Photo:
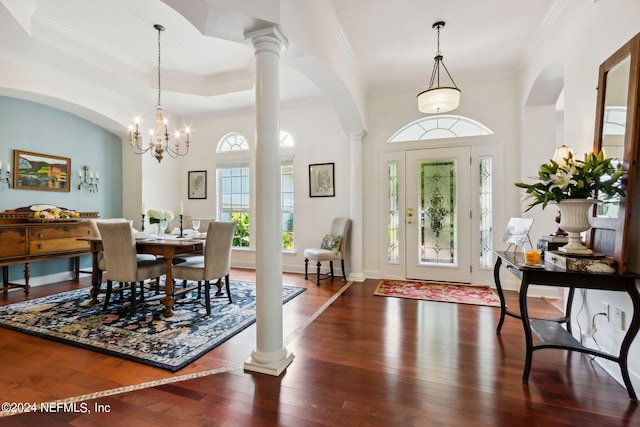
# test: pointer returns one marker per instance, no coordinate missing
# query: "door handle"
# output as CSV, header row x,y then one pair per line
x,y
410,216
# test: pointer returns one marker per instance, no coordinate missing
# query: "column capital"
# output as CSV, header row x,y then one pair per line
x,y
356,135
274,32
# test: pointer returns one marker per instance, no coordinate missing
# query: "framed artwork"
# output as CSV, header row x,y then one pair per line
x,y
197,184
321,180
517,232
44,172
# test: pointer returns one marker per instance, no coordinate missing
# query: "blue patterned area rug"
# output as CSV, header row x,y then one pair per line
x,y
147,336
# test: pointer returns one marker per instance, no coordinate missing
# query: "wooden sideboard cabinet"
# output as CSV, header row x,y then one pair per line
x,y
23,242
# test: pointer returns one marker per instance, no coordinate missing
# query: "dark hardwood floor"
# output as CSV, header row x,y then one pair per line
x,y
364,361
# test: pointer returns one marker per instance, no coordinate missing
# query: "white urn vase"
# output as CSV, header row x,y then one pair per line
x,y
574,219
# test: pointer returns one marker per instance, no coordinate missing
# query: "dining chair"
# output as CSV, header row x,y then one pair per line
x,y
102,264
122,263
214,265
332,248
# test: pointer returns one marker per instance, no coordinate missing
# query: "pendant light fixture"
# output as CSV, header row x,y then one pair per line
x,y
439,99
157,149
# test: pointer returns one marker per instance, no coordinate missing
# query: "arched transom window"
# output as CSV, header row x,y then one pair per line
x,y
438,127
233,142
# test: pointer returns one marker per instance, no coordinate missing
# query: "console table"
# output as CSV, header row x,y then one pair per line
x,y
550,331
24,242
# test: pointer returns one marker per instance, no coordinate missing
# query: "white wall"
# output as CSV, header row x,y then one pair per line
x,y
318,138
579,41
493,103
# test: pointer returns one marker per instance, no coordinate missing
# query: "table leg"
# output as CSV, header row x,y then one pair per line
x,y
167,301
76,265
503,304
27,276
634,326
5,279
524,315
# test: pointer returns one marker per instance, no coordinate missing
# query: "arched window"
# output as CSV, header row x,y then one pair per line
x,y
441,126
234,186
285,139
233,142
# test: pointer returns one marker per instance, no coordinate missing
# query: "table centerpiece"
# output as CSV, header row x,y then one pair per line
x,y
161,218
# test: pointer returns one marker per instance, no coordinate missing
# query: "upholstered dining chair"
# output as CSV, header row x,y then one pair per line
x,y
332,248
122,263
102,264
214,265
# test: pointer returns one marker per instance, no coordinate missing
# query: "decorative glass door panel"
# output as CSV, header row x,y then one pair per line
x,y
437,219
438,242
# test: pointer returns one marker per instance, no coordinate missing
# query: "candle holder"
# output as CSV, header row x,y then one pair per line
x,y
142,222
91,184
7,178
181,216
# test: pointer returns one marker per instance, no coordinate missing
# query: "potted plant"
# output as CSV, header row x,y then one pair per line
x,y
575,186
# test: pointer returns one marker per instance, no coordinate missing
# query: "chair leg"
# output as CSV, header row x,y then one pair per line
x,y
331,268
306,268
132,306
207,296
344,276
108,295
226,281
318,275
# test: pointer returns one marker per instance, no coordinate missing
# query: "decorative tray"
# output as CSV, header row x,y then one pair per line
x,y
54,219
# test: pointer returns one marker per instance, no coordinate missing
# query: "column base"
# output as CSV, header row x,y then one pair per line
x,y
274,368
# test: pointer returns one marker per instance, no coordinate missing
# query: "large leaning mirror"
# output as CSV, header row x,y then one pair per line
x,y
616,134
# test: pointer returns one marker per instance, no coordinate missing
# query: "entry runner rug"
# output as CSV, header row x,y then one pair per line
x,y
443,292
147,336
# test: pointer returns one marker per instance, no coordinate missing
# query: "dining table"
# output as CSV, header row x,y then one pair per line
x,y
165,247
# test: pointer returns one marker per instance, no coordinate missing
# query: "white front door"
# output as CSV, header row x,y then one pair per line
x,y
437,214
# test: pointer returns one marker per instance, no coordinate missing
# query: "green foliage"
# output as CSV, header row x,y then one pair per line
x,y
575,180
241,238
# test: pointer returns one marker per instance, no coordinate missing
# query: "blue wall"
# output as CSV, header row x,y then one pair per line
x,y
29,126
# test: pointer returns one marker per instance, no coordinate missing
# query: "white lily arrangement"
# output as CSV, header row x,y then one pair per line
x,y
575,180
157,215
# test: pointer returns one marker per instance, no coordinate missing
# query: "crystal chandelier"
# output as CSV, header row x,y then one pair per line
x,y
158,148
439,99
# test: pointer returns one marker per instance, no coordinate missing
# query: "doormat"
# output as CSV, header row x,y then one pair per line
x,y
443,292
147,336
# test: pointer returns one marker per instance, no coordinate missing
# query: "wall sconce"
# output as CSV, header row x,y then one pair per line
x,y
7,176
90,183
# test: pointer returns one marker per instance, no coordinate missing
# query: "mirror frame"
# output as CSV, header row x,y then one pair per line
x,y
610,236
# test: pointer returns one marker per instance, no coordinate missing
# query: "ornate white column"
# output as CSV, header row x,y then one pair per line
x,y
355,208
269,356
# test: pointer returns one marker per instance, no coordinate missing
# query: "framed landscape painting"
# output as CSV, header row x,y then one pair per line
x,y
197,184
45,172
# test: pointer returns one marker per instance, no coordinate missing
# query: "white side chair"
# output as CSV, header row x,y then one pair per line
x,y
332,248
214,265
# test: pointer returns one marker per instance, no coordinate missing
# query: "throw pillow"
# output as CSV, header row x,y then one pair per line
x,y
331,243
